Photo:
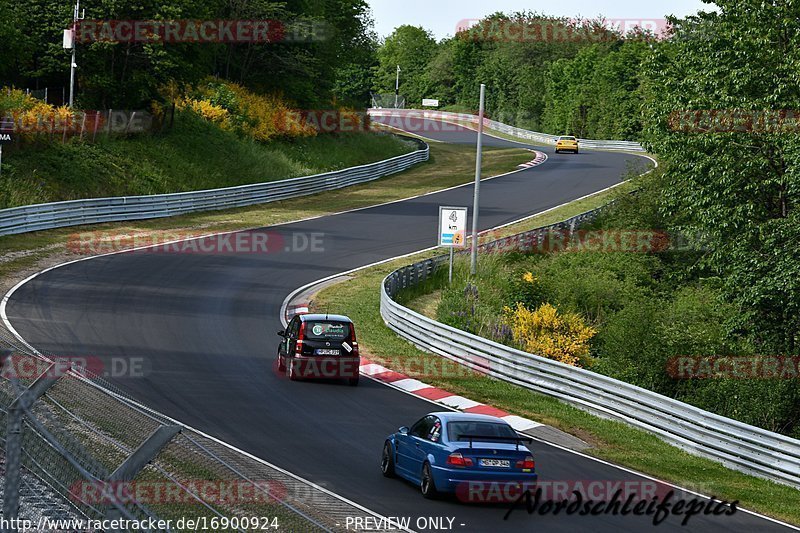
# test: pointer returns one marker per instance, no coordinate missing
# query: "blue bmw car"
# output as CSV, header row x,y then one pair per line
x,y
452,452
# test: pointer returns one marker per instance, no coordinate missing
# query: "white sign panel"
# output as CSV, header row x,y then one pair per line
x,y
453,227
430,102
68,39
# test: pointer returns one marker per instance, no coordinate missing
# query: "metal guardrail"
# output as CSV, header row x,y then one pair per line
x,y
543,138
735,444
95,210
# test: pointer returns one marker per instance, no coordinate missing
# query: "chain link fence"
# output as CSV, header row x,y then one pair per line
x,y
390,101
49,95
76,447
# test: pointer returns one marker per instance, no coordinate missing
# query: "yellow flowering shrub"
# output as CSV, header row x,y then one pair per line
x,y
562,337
267,116
207,110
263,117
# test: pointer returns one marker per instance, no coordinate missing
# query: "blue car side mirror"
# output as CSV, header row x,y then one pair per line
x,y
403,430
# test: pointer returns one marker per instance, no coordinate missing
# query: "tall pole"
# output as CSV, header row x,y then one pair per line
x,y
72,63
477,196
397,87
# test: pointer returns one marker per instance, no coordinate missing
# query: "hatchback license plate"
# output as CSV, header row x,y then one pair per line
x,y
324,351
502,463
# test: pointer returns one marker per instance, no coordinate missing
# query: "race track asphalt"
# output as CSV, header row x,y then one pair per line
x,y
206,325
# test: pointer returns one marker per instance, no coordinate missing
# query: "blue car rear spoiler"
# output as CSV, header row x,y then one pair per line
x,y
515,440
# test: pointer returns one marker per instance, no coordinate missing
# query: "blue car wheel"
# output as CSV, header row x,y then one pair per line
x,y
427,485
387,461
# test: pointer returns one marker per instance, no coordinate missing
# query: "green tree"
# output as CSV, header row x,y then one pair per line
x,y
412,48
738,189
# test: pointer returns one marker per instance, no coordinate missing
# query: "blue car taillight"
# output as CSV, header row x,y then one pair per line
x,y
527,463
456,459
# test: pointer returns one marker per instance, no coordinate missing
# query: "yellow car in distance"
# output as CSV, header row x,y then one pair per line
x,y
568,143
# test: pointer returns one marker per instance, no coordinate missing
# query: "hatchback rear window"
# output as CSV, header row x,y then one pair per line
x,y
566,138
335,331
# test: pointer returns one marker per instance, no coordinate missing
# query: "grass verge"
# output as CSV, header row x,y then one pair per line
x,y
449,165
193,155
359,298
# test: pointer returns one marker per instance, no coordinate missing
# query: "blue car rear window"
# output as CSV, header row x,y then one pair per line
x,y
487,430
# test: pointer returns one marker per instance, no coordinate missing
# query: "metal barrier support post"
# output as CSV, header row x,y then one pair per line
x,y
14,442
139,459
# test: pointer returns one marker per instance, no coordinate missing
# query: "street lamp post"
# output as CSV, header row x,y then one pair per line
x,y
76,16
397,87
476,197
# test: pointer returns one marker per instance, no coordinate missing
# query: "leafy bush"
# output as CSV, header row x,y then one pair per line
x,y
524,288
625,315
597,283
233,107
475,304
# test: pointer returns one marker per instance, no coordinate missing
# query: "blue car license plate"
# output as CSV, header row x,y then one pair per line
x,y
499,463
325,351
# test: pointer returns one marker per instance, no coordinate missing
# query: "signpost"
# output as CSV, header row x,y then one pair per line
x,y
430,102
452,230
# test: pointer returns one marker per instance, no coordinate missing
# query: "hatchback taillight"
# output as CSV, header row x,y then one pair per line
x,y
527,463
353,343
456,459
298,346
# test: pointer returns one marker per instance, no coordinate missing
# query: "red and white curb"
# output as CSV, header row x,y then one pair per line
x,y
425,391
298,309
440,396
540,158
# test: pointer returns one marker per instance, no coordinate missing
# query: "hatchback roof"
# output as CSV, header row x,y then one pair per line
x,y
321,316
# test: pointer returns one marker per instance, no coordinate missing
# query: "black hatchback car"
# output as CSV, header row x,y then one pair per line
x,y
317,346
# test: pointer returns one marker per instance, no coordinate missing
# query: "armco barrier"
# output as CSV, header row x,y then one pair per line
x,y
91,211
520,133
737,445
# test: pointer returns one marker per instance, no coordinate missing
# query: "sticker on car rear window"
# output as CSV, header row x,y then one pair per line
x,y
317,329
